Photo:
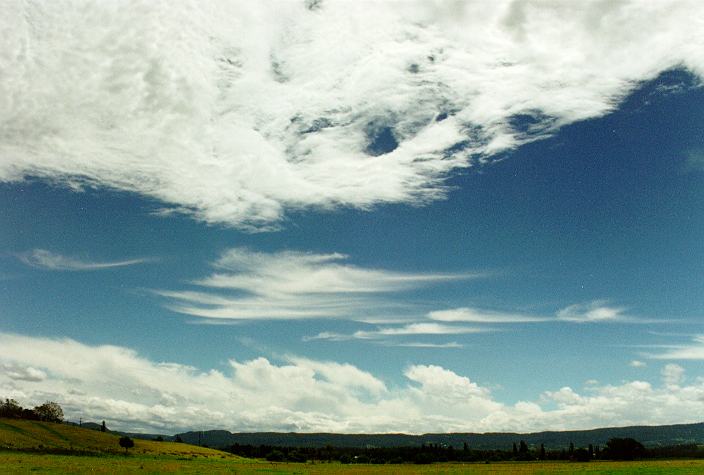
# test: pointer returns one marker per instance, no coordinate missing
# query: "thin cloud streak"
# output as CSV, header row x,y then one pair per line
x,y
43,259
692,351
400,331
249,285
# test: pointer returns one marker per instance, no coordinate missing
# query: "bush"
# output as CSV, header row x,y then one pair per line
x,y
126,443
275,456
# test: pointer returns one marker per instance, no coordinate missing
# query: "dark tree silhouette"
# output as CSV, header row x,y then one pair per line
x,y
10,408
50,412
624,449
126,443
102,427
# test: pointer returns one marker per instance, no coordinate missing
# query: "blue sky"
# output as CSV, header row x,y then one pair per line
x,y
525,252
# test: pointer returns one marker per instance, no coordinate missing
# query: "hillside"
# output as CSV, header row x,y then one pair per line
x,y
18,434
650,436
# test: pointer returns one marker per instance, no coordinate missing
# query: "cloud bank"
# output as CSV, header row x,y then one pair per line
x,y
234,112
133,393
44,259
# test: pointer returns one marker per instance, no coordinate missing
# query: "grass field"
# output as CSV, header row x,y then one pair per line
x,y
22,443
17,434
16,462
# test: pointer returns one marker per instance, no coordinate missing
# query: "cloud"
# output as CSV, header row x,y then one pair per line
x,y
44,259
637,364
692,351
672,374
597,311
234,112
473,315
292,285
422,344
388,335
21,373
117,384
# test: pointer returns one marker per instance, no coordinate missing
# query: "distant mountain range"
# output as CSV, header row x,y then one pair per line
x,y
650,436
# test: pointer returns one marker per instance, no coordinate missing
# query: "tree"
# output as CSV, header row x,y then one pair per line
x,y
624,449
275,456
50,412
178,439
542,452
126,443
522,447
102,427
10,408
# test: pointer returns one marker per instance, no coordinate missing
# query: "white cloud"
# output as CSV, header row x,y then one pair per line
x,y
691,351
22,373
134,393
473,315
637,364
593,312
388,335
672,374
234,112
291,285
44,259
422,344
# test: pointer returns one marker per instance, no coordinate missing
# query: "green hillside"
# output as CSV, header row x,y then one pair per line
x,y
18,434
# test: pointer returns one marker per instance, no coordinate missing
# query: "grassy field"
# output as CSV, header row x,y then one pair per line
x,y
16,434
22,443
15,462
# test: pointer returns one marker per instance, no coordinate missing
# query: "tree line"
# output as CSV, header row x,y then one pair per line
x,y
614,449
49,411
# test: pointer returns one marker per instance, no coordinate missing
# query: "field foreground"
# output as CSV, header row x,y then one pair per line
x,y
16,462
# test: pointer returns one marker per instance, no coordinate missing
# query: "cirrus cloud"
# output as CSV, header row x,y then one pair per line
x,y
234,112
43,259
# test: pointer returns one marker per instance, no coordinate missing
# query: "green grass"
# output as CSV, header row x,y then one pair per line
x,y
23,447
23,435
18,462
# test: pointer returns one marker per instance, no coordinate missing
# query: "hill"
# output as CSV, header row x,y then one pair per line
x,y
650,436
18,434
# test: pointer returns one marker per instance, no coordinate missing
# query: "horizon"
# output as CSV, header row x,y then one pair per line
x,y
442,217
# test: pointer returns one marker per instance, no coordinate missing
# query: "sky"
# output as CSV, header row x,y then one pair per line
x,y
299,216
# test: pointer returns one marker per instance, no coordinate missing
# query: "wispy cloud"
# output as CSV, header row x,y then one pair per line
x,y
474,315
447,322
294,285
637,364
44,259
690,351
234,112
300,394
398,331
598,311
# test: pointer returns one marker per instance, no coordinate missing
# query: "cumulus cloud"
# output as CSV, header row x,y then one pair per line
x,y
234,112
289,285
22,373
44,259
133,393
637,364
672,374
